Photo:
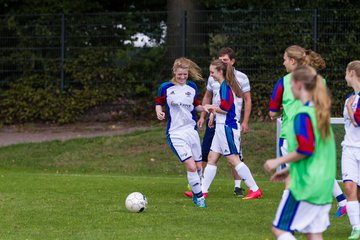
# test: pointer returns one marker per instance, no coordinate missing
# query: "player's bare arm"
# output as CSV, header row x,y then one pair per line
x,y
206,100
247,111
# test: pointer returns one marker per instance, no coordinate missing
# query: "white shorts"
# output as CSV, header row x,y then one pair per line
x,y
301,216
185,144
226,140
283,150
350,164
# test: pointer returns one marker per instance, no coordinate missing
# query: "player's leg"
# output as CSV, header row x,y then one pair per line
x,y
314,236
194,182
340,197
230,147
238,191
245,173
206,143
210,171
282,235
350,172
194,141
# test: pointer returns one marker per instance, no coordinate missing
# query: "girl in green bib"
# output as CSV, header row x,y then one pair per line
x,y
312,157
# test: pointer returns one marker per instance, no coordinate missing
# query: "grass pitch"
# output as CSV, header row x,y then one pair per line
x,y
76,189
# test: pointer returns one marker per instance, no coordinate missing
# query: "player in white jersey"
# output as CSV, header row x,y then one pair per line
x,y
226,141
179,95
227,56
351,148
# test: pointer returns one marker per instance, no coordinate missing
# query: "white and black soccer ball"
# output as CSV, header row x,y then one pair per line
x,y
136,202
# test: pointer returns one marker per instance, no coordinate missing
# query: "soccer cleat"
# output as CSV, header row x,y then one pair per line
x,y
355,234
200,202
238,192
341,211
190,194
253,195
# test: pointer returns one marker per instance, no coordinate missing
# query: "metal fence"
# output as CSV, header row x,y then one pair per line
x,y
31,44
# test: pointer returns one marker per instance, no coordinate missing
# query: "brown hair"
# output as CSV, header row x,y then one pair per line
x,y
185,63
314,84
302,56
229,75
355,66
314,60
227,51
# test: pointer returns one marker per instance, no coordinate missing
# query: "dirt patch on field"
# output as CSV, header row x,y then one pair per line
x,y
44,132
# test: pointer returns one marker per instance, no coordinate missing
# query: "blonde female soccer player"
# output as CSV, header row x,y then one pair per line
x,y
351,148
312,157
226,140
179,95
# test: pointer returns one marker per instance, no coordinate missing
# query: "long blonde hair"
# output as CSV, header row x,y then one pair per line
x,y
229,75
314,84
185,63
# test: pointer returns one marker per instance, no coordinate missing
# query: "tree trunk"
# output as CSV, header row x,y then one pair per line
x,y
182,32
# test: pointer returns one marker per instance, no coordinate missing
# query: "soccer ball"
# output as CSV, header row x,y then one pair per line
x,y
136,202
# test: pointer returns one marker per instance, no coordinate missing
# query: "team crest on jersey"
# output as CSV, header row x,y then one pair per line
x,y
188,94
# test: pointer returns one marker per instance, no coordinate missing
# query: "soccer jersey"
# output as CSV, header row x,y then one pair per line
x,y
227,102
214,86
312,178
180,104
352,133
282,96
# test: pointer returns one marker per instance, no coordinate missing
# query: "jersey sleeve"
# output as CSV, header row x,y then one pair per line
x,y
357,113
161,95
209,83
276,96
304,134
226,98
245,86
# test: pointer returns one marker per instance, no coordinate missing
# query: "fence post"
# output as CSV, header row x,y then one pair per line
x,y
183,33
62,50
315,29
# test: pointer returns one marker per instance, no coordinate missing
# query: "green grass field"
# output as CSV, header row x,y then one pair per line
x,y
76,189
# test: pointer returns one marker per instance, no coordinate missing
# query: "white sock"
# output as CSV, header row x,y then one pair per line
x,y
194,181
237,183
245,174
286,236
352,209
338,194
209,175
200,173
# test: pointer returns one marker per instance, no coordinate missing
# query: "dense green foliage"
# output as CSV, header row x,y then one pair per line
x,y
66,59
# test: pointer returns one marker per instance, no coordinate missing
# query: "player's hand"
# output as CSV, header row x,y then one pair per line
x,y
160,115
200,122
211,123
244,128
280,176
271,164
210,108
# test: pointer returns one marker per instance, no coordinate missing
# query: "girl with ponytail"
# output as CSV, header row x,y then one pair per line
x,y
312,154
226,140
